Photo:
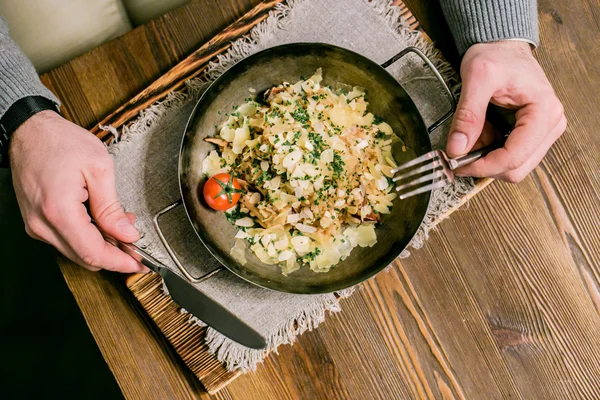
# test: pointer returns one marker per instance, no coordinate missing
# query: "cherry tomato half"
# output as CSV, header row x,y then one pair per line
x,y
222,191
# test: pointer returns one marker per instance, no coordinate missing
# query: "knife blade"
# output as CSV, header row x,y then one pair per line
x,y
194,301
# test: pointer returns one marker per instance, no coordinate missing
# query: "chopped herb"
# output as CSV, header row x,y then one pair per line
x,y
338,164
264,176
311,256
318,143
235,214
276,113
300,115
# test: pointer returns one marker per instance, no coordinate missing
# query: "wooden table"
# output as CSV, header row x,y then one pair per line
x,y
502,302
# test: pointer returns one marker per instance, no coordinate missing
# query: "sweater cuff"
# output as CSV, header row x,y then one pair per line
x,y
18,78
480,21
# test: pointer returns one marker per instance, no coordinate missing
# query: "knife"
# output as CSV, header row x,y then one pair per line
x,y
194,301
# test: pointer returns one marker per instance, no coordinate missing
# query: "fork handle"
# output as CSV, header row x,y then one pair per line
x,y
473,156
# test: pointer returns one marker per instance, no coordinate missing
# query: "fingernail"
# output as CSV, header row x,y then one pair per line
x,y
144,269
457,142
125,227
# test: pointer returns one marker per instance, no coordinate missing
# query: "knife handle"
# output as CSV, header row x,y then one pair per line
x,y
137,254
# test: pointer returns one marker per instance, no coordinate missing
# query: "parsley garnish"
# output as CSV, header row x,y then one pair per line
x,y
337,164
235,214
300,115
311,256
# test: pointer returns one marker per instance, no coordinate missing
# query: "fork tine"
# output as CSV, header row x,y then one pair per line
x,y
430,177
426,188
427,156
427,167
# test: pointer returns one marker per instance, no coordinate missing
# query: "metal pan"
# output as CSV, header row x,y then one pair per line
x,y
270,67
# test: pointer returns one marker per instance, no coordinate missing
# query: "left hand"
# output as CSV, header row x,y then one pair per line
x,y
506,74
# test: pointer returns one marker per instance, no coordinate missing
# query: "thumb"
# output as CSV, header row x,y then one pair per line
x,y
469,117
106,209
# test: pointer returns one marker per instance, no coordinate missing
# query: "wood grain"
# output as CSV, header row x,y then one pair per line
x,y
146,367
502,302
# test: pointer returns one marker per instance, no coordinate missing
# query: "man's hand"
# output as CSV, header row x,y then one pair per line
x,y
506,74
56,167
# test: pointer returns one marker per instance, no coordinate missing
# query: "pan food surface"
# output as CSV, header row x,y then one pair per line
x,y
269,68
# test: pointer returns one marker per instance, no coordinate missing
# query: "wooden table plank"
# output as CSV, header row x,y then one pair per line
x,y
502,301
194,65
144,364
125,66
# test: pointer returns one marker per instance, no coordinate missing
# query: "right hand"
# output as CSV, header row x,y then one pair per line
x,y
506,74
57,166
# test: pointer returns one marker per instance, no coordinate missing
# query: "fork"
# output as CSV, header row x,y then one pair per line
x,y
433,170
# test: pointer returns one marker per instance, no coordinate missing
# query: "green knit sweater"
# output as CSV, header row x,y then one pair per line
x,y
471,21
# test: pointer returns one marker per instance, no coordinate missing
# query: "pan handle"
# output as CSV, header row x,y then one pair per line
x,y
438,76
165,243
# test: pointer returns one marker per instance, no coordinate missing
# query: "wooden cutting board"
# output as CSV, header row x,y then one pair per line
x,y
186,339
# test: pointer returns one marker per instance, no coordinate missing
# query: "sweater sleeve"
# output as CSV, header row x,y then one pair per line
x,y
479,21
18,78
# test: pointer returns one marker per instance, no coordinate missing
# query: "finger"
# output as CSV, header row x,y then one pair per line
x,y
84,244
48,235
519,174
529,133
104,204
469,118
487,137
131,217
